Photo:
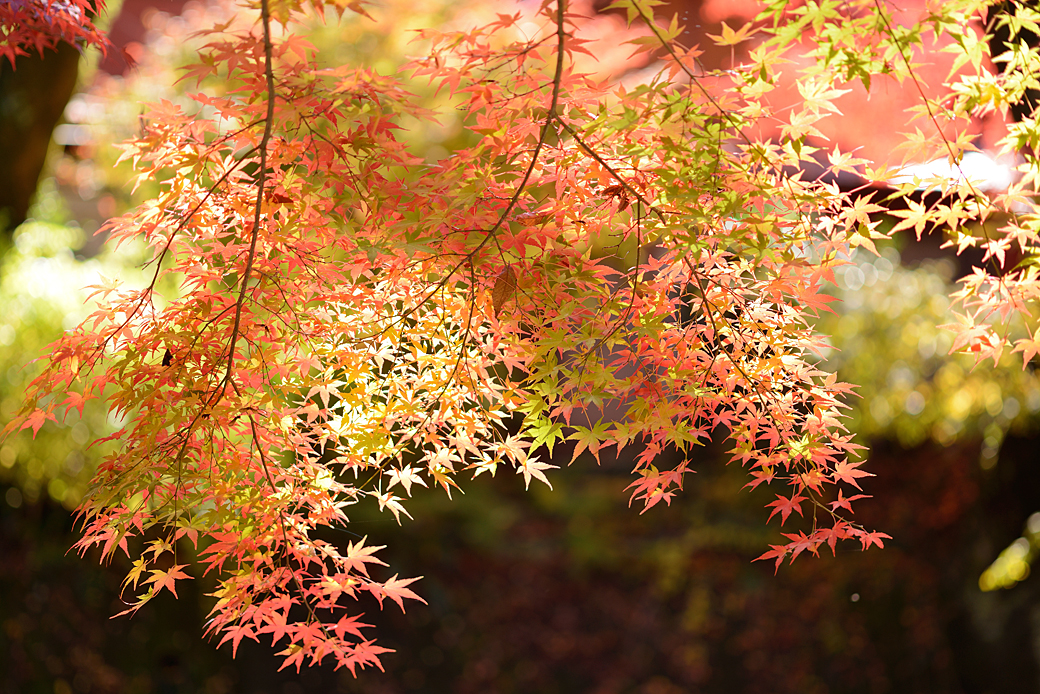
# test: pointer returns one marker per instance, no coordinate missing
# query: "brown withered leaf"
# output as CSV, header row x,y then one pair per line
x,y
621,193
167,358
277,197
505,287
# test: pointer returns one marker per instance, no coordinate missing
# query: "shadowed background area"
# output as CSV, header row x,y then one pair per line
x,y
566,591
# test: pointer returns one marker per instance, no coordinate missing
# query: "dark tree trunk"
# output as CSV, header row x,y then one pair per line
x,y
32,99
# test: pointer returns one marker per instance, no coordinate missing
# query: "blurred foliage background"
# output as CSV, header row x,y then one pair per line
x,y
564,590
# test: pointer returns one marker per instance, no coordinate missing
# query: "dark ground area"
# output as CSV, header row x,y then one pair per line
x,y
570,591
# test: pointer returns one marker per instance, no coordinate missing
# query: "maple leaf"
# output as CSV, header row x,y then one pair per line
x,y
505,287
36,419
235,634
730,37
74,400
166,579
363,653
532,467
334,586
784,506
514,448
546,432
395,589
1029,347
358,555
846,502
654,497
801,542
652,487
135,573
777,552
406,477
294,655
350,624
915,217
872,538
846,471
276,623
588,439
839,531
388,500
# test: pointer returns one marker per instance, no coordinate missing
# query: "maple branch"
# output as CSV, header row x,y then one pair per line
x,y
268,125
976,195
551,115
265,18
147,292
157,259
281,526
447,382
784,175
602,162
956,160
757,389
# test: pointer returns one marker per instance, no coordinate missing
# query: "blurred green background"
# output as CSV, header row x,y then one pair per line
x,y
550,591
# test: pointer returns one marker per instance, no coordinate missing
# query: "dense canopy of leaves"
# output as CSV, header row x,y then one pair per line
x,y
628,262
